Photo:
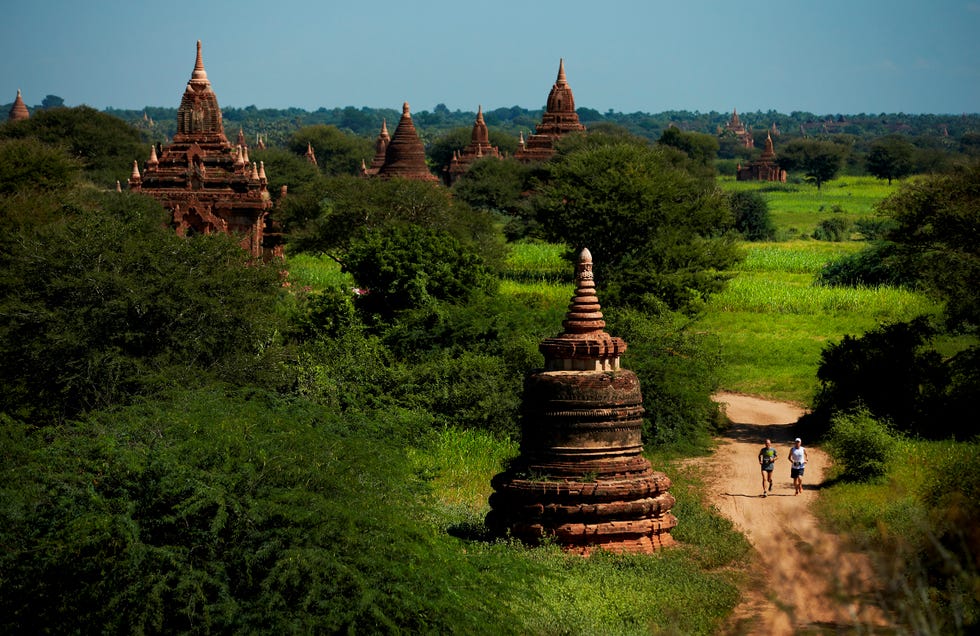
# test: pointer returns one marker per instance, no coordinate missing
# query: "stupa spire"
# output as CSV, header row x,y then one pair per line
x,y
18,110
199,73
561,72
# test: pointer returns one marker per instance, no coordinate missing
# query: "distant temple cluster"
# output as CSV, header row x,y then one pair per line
x,y
765,167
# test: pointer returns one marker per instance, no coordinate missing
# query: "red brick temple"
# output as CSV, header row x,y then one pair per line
x,y
380,147
404,154
581,477
18,110
559,119
478,148
736,127
764,168
207,184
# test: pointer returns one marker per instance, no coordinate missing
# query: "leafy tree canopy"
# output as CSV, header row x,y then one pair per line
x,y
337,152
657,232
819,160
105,145
890,158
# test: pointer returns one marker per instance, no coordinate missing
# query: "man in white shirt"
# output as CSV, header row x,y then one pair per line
x,y
797,457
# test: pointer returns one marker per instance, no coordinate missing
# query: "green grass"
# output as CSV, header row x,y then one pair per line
x,y
773,322
316,272
535,261
797,208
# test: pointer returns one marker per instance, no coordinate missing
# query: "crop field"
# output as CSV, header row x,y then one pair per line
x,y
772,321
797,208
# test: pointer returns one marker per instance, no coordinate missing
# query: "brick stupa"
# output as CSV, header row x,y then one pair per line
x,y
207,184
380,147
478,148
581,477
559,119
18,110
405,154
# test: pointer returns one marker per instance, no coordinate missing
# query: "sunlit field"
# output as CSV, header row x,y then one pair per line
x,y
797,208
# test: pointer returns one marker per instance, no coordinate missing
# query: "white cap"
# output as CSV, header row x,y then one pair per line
x,y
798,440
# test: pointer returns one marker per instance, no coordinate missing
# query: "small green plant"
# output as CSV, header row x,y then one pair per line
x,y
861,446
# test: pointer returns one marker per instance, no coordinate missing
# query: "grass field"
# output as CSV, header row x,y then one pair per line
x,y
797,208
773,322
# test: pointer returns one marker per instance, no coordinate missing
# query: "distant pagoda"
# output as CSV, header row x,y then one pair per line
x,y
478,148
581,478
404,154
380,147
764,168
18,110
559,119
207,184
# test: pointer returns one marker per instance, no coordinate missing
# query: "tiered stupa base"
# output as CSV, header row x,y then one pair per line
x,y
619,515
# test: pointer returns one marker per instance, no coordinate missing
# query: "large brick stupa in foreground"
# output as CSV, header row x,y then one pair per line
x,y
581,477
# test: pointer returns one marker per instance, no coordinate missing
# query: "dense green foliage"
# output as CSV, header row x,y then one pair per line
x,y
103,302
105,145
890,158
337,153
861,446
658,234
752,219
819,160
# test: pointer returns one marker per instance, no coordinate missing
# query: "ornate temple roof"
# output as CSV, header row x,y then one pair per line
x,y
405,154
558,119
18,110
478,148
207,184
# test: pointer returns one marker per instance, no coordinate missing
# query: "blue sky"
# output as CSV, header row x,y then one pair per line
x,y
826,57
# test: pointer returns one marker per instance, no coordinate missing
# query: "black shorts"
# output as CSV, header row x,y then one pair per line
x,y
768,467
796,472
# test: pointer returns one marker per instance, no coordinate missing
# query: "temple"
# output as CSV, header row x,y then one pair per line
x,y
404,154
764,168
559,119
380,147
207,184
581,478
18,110
478,148
737,128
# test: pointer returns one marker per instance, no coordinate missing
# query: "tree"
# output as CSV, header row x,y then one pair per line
x,y
890,158
820,161
658,233
337,153
702,149
752,219
937,219
102,301
104,144
405,267
52,101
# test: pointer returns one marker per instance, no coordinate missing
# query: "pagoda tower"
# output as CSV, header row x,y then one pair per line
x,y
559,119
404,153
207,184
764,168
478,148
18,110
581,477
380,146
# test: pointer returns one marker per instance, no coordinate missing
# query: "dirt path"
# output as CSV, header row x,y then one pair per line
x,y
804,583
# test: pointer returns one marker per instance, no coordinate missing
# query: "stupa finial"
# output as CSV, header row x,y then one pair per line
x,y
199,72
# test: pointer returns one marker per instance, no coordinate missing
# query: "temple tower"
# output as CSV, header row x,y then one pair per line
x,y
478,148
581,477
18,110
380,147
559,119
405,154
764,168
207,184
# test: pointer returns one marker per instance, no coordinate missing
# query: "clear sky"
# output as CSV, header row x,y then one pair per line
x,y
825,56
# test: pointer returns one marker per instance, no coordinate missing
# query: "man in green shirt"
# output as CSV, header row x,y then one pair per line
x,y
767,460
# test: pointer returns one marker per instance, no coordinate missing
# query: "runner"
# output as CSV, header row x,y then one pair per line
x,y
767,460
797,456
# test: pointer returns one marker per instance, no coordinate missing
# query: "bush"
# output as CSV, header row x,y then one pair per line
x,y
752,219
835,229
878,264
860,445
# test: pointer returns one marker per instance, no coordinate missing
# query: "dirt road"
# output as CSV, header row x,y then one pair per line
x,y
804,583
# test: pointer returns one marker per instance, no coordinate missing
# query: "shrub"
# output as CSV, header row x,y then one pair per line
x,y
752,219
878,264
833,229
860,445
